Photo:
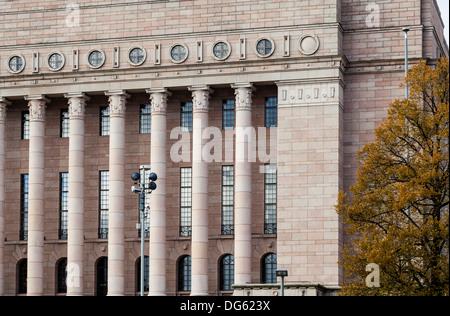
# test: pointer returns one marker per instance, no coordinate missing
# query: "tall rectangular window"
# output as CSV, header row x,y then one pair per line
x,y
63,205
24,191
186,116
271,112
228,114
186,202
227,200
25,125
104,121
270,199
64,123
103,205
145,119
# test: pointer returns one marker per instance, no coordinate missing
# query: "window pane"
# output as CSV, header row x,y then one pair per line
x,y
227,200
146,274
65,124
271,112
145,121
24,190
102,277
269,268
186,202
270,199
26,125
227,273
62,275
104,205
184,274
104,121
63,205
228,114
186,116
22,276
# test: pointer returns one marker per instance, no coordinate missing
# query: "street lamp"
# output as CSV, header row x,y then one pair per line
x,y
142,188
406,30
282,273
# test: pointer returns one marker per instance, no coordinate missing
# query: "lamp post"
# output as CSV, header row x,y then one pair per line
x,y
406,30
282,273
142,188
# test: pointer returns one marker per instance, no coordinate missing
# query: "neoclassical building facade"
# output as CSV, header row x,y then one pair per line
x,y
249,112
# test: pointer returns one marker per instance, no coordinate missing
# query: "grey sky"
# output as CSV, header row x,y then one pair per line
x,y
443,5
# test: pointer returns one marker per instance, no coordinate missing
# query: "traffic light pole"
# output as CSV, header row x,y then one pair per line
x,y
142,189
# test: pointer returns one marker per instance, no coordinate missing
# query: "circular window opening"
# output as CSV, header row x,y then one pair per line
x,y
264,47
16,64
178,53
55,61
221,50
96,58
137,56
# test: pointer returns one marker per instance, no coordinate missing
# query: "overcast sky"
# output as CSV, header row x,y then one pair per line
x,y
443,5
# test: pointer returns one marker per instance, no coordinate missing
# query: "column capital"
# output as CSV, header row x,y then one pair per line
x,y
80,95
37,97
158,99
117,102
200,98
159,90
243,85
77,104
37,105
5,101
3,105
243,93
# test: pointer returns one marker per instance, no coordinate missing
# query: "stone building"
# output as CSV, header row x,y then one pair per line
x,y
283,91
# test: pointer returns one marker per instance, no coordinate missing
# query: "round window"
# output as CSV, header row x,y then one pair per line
x,y
137,56
264,47
55,61
178,53
96,58
16,64
308,44
221,50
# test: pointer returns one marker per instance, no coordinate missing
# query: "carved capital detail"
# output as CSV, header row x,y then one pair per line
x,y
159,103
243,93
37,106
117,103
158,100
200,98
3,106
77,105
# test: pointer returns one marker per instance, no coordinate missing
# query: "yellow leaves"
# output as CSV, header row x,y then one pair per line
x,y
398,211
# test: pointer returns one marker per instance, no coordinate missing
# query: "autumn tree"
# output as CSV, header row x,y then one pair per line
x,y
397,213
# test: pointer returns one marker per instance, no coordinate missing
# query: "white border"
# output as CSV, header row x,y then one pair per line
x,y
143,60
17,71
316,48
178,61
229,50
63,61
89,54
255,47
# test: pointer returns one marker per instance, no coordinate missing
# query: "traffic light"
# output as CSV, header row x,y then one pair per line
x,y
152,185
